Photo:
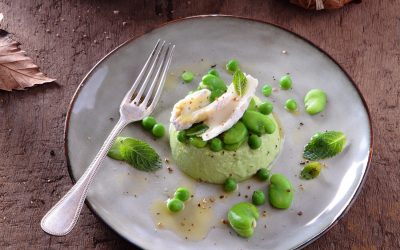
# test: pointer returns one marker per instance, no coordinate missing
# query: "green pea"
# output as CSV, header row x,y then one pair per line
x,y
315,101
182,194
158,130
181,136
235,134
216,145
258,198
230,185
263,174
291,105
285,82
311,170
254,141
252,105
213,82
266,90
232,65
242,218
148,122
258,123
187,76
280,192
213,72
175,205
266,108
197,142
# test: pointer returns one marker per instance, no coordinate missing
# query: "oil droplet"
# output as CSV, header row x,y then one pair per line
x,y
192,223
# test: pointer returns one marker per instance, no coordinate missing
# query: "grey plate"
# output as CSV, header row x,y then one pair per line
x,y
123,196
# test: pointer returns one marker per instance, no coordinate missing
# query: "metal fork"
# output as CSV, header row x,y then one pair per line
x,y
62,217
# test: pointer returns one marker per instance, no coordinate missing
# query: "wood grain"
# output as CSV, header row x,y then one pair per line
x,y
66,38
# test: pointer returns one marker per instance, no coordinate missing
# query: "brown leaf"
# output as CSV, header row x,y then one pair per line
x,y
17,70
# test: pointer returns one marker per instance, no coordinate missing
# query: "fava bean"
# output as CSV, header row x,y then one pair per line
x,y
280,191
197,142
213,82
235,134
234,147
315,101
258,123
252,105
242,218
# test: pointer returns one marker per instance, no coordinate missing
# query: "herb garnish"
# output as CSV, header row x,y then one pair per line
x,y
239,82
324,145
137,153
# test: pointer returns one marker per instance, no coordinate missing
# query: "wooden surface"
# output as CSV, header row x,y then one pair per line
x,y
66,38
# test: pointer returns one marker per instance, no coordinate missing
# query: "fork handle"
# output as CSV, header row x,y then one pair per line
x,y
62,217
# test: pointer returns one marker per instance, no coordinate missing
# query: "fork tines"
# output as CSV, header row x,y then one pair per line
x,y
154,70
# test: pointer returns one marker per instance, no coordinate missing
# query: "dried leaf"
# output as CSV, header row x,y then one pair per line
x,y
321,4
17,70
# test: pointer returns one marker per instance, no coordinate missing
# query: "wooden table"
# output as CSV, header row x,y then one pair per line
x,y
66,38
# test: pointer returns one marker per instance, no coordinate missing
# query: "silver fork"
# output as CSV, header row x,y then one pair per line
x,y
62,217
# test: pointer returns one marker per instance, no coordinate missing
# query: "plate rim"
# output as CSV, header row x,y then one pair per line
x,y
364,103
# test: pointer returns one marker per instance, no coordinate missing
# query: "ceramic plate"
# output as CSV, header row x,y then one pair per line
x,y
129,200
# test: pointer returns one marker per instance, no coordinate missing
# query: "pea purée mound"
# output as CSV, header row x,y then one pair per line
x,y
215,167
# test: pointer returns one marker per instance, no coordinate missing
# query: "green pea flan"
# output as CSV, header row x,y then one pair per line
x,y
210,130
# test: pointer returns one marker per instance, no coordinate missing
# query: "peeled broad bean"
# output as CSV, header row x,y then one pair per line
x,y
242,218
233,147
315,101
258,123
280,191
213,82
235,134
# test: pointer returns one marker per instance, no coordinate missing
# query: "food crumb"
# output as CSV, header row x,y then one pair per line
x,y
212,199
52,153
300,213
223,221
170,170
264,213
248,187
159,225
265,226
124,23
301,187
221,196
246,196
116,12
284,52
